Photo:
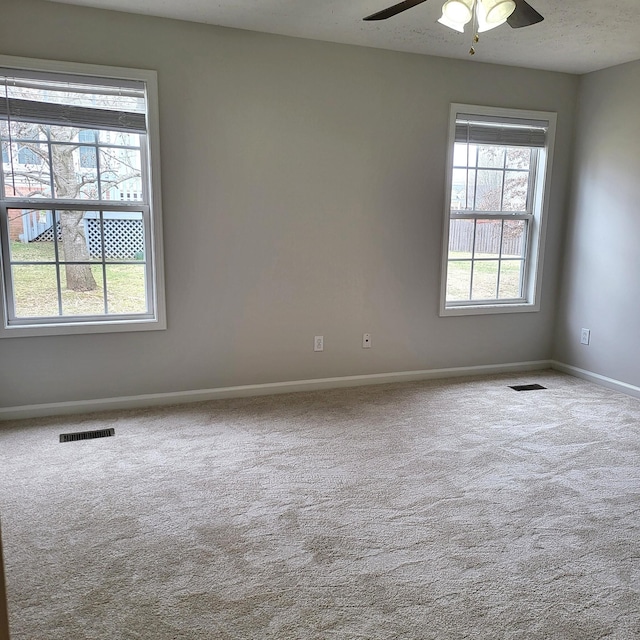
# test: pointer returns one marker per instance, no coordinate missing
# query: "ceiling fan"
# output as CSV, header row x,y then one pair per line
x,y
487,14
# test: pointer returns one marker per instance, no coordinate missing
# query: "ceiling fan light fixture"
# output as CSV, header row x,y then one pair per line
x,y
497,11
458,12
488,14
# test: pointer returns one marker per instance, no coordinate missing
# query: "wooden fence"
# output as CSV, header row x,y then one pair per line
x,y
487,237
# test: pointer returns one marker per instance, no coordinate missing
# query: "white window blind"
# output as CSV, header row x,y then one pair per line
x,y
70,101
509,132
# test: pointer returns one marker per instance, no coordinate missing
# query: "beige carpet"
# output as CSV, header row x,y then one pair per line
x,y
436,510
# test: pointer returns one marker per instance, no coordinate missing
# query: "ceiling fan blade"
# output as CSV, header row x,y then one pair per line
x,y
392,11
524,15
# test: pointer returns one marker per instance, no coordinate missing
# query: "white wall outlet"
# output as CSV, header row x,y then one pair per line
x,y
366,341
318,343
585,336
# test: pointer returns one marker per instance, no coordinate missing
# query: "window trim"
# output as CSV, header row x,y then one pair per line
x,y
535,243
100,324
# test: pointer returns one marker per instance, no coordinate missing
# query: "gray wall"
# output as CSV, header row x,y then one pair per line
x,y
601,284
303,194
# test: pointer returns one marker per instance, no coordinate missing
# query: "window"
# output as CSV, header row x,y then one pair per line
x,y
79,199
26,155
499,165
88,154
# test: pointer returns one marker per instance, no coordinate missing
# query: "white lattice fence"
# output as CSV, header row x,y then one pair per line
x,y
47,235
123,239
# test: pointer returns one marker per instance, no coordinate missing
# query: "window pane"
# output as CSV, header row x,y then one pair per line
x,y
120,174
518,158
459,155
461,238
126,291
88,157
458,280
78,302
26,171
123,236
510,279
35,290
488,234
485,280
465,155
31,235
491,157
489,190
514,238
516,186
459,190
74,172
71,180
73,245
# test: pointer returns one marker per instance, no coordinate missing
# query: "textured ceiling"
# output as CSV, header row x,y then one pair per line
x,y
577,36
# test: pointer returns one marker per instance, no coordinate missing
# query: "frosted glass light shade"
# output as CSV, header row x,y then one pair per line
x,y
481,13
458,11
497,11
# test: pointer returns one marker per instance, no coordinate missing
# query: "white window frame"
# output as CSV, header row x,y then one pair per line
x,y
539,192
156,318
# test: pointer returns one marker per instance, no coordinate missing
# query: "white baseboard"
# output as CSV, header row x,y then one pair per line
x,y
604,381
180,397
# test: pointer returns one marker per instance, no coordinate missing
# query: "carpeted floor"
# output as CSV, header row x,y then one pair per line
x,y
432,510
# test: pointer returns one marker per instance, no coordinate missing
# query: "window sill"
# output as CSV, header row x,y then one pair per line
x,y
487,309
71,328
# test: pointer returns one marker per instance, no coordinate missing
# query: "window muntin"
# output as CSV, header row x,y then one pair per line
x,y
79,232
494,213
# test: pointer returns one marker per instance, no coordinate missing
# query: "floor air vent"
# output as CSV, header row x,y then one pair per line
x,y
86,435
527,387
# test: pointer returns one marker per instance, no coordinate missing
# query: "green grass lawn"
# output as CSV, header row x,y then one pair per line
x,y
485,277
35,286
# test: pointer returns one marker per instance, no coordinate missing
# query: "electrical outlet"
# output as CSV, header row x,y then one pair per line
x,y
318,343
585,336
366,341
